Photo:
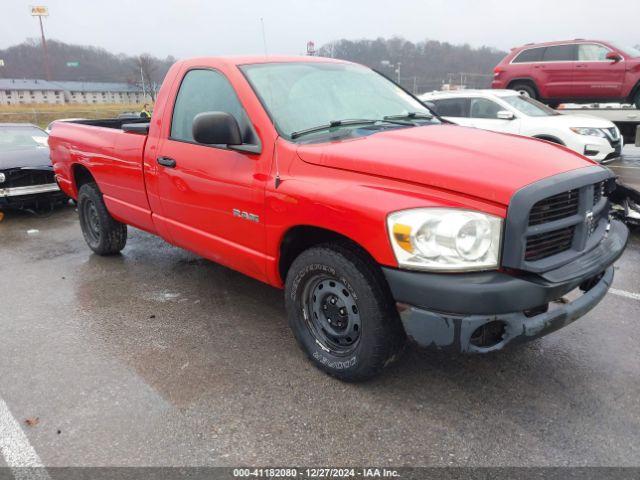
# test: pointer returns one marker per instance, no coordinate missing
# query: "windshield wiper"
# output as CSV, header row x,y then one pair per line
x,y
342,123
410,116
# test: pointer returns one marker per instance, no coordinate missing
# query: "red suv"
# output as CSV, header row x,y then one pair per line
x,y
577,71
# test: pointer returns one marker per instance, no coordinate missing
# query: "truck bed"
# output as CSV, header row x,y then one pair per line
x,y
112,150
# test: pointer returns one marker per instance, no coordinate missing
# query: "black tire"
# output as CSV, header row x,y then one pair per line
x,y
103,234
364,338
636,99
526,89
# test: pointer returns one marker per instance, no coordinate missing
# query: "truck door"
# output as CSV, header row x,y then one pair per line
x,y
595,76
212,197
556,71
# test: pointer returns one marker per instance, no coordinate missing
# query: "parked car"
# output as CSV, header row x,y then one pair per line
x,y
26,174
508,111
326,179
578,71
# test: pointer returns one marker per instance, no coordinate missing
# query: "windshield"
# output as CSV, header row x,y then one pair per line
x,y
529,106
17,137
300,96
630,51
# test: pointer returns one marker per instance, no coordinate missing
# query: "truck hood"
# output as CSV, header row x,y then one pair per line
x,y
487,165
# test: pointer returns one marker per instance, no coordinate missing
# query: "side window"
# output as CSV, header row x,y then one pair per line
x,y
204,91
452,107
484,108
589,52
529,55
560,53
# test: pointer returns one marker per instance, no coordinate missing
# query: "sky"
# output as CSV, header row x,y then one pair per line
x,y
188,28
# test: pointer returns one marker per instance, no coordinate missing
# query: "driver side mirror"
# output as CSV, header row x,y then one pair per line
x,y
216,128
505,115
614,57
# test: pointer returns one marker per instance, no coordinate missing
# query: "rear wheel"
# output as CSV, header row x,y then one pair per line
x,y
525,89
103,234
341,312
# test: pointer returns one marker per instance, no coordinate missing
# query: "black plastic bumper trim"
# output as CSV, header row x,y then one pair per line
x,y
454,332
497,292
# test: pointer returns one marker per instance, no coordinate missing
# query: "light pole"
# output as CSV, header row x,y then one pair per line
x,y
396,68
42,11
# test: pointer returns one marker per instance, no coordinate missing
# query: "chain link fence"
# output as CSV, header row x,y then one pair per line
x,y
451,81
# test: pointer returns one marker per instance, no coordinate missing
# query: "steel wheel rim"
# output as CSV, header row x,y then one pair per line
x,y
91,221
332,315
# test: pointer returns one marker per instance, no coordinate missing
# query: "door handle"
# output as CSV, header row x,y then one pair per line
x,y
166,162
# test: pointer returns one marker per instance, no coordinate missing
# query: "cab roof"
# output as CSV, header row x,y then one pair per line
x,y
255,59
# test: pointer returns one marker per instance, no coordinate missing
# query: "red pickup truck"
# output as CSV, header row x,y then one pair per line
x,y
378,219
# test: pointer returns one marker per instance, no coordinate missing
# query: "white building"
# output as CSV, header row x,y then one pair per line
x,y
24,91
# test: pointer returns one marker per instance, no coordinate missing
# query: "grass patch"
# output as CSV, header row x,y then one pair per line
x,y
42,115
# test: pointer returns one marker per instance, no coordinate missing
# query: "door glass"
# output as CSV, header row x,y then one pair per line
x,y
592,53
452,107
205,91
484,108
560,53
530,55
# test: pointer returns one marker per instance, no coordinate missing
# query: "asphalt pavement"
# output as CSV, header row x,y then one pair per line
x,y
158,357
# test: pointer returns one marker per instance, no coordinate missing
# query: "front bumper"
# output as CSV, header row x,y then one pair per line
x,y
29,190
31,196
485,311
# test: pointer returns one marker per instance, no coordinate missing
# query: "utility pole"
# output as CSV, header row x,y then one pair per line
x,y
42,11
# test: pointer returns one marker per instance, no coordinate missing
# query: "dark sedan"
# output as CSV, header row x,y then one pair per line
x,y
26,174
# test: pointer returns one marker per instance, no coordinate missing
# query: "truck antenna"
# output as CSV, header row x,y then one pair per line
x,y
264,37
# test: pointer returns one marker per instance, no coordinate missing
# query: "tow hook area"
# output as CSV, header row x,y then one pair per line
x,y
488,335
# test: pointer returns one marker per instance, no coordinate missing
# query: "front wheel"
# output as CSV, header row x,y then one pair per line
x,y
103,234
342,313
636,100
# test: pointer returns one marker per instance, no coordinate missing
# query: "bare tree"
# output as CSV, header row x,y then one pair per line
x,y
148,66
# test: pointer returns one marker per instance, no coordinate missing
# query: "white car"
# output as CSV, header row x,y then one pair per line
x,y
509,112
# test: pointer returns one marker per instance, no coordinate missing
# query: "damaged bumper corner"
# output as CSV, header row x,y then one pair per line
x,y
486,333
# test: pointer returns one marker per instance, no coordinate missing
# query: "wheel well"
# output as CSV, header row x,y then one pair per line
x,y
634,91
526,81
549,138
303,237
81,176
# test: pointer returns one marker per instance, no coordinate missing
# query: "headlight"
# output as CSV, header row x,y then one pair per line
x,y
592,132
445,239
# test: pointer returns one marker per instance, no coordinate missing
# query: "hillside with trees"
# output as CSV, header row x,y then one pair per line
x,y
424,65
93,64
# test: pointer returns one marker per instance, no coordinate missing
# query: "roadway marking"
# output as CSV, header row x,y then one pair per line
x,y
16,449
623,293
